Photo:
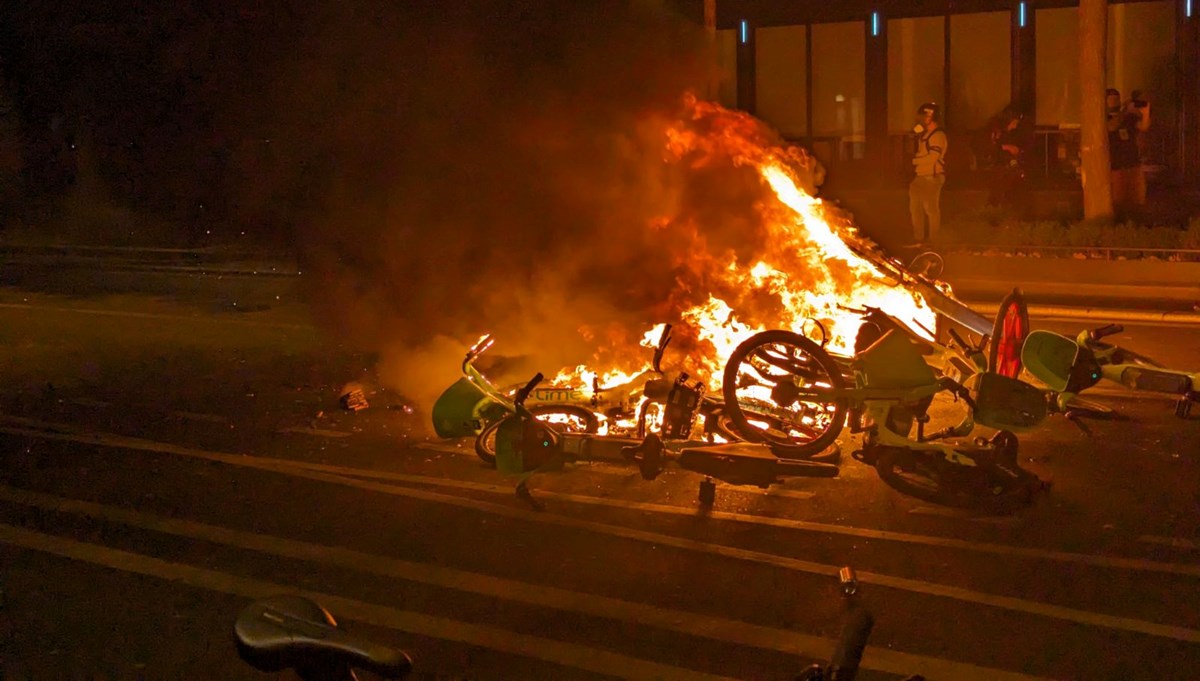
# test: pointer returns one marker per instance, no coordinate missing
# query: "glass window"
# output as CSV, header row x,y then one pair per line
x,y
916,67
1141,49
780,79
727,63
1058,66
980,69
839,84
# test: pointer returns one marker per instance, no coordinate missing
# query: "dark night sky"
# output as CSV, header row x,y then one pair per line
x,y
179,98
440,168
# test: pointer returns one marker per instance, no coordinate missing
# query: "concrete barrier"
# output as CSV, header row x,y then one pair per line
x,y
1080,282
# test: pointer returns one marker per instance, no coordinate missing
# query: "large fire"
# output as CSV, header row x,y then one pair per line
x,y
806,270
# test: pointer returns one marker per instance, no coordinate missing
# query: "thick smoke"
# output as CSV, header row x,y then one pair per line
x,y
503,168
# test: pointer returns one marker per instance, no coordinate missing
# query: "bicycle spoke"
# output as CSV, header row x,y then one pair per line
x,y
789,382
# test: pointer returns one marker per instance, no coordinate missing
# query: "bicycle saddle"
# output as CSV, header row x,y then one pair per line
x,y
291,631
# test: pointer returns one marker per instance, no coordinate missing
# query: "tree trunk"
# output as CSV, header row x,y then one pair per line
x,y
710,28
1093,47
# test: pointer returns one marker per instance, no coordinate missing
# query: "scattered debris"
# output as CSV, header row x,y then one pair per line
x,y
353,398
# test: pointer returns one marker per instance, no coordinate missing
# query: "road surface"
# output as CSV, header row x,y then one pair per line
x,y
167,463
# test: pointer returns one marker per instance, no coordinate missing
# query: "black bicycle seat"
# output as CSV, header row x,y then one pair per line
x,y
291,631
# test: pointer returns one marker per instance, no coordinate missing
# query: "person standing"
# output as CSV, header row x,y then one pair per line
x,y
1125,159
925,190
1010,140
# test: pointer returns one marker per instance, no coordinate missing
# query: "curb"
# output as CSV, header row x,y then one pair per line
x,y
979,288
229,269
1100,313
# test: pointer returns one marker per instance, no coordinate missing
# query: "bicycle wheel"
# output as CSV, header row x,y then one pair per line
x,y
724,426
567,418
721,426
788,379
989,488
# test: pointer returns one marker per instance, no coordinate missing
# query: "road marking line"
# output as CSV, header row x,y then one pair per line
x,y
956,514
786,523
1169,541
600,467
592,466
439,447
196,416
787,493
685,622
319,432
154,315
494,638
88,402
102,439
902,583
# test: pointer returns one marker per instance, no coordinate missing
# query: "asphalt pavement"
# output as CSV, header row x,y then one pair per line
x,y
166,462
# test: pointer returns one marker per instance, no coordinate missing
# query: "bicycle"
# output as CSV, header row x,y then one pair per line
x,y
1070,366
892,389
957,359
294,632
525,444
475,406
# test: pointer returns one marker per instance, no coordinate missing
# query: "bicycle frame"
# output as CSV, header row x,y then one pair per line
x,y
1093,361
954,359
468,405
1136,371
620,400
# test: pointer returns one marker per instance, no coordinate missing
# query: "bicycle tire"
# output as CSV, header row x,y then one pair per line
x,y
485,442
725,427
895,466
785,446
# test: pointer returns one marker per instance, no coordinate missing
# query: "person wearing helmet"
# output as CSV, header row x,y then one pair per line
x,y
925,191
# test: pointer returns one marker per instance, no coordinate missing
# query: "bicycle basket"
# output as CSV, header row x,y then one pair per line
x,y
459,408
1005,403
1050,357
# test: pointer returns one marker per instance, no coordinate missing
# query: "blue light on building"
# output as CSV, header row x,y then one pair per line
x,y
875,22
745,31
1021,14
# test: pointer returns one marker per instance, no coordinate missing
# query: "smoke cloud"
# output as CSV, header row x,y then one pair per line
x,y
502,167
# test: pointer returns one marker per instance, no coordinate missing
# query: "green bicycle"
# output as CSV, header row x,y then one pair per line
x,y
884,392
1070,366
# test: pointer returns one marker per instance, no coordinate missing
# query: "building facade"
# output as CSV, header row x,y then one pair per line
x,y
845,78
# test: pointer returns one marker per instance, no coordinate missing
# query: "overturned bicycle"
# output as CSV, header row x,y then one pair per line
x,y
784,399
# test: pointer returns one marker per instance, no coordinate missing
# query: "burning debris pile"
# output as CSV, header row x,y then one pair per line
x,y
791,266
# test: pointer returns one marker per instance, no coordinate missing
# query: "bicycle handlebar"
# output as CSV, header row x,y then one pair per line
x,y
523,393
1106,330
480,347
957,338
663,341
958,390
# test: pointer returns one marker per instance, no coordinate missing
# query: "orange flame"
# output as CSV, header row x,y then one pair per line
x,y
807,268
